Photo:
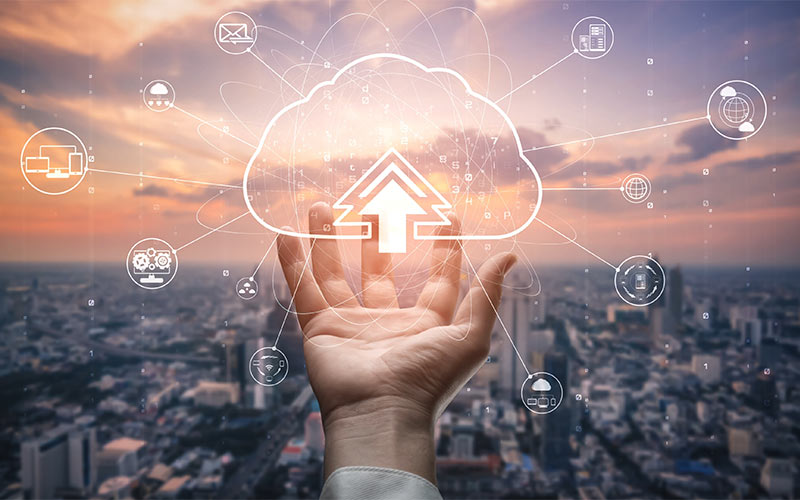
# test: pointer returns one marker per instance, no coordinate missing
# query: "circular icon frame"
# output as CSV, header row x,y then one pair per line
x,y
533,404
161,260
644,298
624,188
23,159
170,91
582,53
266,379
242,284
712,110
218,30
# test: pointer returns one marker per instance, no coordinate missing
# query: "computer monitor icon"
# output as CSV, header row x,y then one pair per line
x,y
150,263
56,161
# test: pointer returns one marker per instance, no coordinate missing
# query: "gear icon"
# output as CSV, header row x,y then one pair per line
x,y
140,261
163,260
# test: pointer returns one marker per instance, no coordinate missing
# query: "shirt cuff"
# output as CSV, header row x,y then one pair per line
x,y
357,483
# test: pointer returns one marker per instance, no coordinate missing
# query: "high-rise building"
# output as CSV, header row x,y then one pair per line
x,y
520,314
660,319
513,322
675,298
237,370
764,393
554,450
769,353
60,460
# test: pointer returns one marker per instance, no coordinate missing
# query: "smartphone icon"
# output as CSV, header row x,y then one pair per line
x,y
640,281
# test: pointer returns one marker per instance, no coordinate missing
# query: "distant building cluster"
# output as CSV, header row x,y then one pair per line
x,y
131,397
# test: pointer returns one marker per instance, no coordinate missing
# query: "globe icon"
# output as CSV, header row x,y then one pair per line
x,y
636,189
736,110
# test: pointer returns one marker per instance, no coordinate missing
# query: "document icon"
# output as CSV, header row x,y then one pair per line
x,y
234,33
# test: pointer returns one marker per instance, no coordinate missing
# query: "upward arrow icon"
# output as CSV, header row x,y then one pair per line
x,y
393,190
392,205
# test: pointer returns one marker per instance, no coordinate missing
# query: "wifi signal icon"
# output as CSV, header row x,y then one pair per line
x,y
268,366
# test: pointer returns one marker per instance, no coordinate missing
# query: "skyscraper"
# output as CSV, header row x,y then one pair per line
x,y
520,314
660,319
554,450
675,298
514,313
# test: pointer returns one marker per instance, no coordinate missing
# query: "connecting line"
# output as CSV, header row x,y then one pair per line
x,y
284,80
537,75
582,189
264,257
609,264
212,231
497,314
206,122
651,127
130,174
291,299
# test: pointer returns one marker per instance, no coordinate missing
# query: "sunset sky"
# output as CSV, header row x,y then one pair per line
x,y
82,66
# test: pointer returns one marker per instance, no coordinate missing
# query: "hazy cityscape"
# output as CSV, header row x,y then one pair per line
x,y
111,391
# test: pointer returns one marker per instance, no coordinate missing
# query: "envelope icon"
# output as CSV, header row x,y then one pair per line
x,y
233,33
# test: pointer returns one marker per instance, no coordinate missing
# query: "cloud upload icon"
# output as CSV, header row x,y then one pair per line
x,y
387,136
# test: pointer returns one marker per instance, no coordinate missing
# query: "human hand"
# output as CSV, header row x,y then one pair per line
x,y
383,374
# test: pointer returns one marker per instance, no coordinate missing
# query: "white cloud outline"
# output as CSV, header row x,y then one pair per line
x,y
362,236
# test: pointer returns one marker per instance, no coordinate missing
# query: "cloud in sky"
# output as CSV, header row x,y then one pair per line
x,y
152,190
49,47
769,160
701,141
105,29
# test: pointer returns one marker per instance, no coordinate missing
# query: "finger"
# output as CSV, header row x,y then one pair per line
x,y
377,284
308,299
326,262
478,310
440,293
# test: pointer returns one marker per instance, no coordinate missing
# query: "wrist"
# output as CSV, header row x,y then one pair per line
x,y
381,432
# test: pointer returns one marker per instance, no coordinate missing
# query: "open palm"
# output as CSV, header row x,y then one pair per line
x,y
377,353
